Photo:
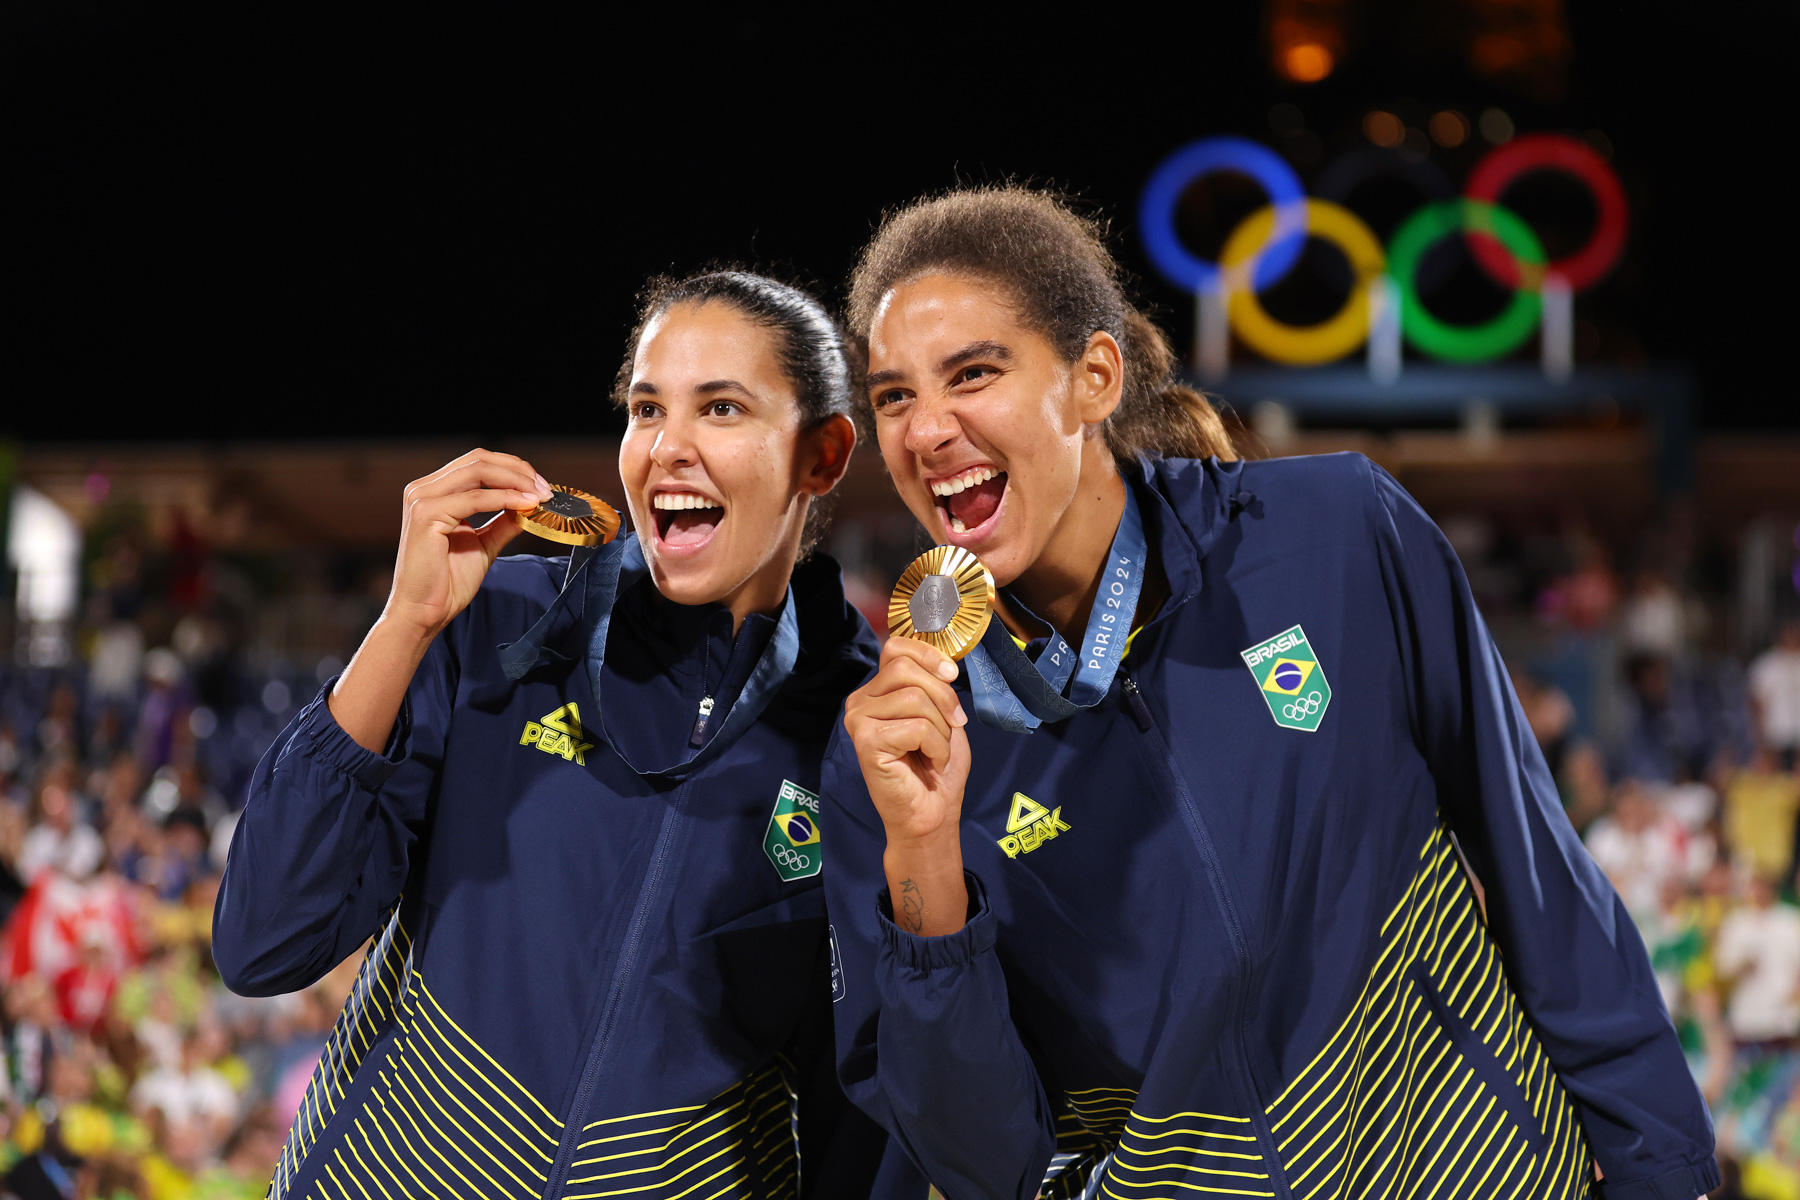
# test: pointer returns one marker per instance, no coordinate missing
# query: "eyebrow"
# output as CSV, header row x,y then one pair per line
x,y
974,350
644,387
725,385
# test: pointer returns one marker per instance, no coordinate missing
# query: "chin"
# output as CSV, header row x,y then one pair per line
x,y
1003,564
681,583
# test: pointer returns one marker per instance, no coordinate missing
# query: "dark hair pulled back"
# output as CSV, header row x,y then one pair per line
x,y
809,344
1064,283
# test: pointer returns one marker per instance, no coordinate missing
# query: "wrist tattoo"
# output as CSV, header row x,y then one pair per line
x,y
912,906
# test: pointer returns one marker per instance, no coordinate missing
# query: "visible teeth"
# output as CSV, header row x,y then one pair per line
x,y
681,500
956,525
968,479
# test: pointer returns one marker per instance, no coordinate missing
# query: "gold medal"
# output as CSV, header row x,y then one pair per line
x,y
944,597
571,517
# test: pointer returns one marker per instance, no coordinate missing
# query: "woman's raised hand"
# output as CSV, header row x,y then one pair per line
x,y
437,572
442,560
907,726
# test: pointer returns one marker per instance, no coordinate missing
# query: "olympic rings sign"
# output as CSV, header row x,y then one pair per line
x,y
1267,244
793,860
1302,707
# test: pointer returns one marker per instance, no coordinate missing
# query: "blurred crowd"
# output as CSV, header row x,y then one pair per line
x,y
130,1071
1673,731
1671,726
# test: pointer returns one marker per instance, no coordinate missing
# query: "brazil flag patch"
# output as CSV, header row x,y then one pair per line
x,y
1291,679
792,842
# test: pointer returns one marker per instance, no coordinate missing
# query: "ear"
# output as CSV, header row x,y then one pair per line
x,y
1098,378
827,454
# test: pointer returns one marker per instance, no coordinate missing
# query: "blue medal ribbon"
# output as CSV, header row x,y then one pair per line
x,y
609,572
1016,694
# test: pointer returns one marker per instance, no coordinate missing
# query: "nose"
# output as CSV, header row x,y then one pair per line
x,y
931,425
674,446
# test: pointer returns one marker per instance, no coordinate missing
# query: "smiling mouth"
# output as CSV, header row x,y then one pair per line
x,y
685,520
970,500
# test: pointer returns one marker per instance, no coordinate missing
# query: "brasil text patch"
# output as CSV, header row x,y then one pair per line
x,y
792,842
1291,679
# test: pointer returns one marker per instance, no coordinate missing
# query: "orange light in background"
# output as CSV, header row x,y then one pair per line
x,y
1306,38
1522,43
1307,62
1449,128
1384,129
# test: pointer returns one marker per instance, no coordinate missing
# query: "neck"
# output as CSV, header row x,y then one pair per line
x,y
1061,584
766,590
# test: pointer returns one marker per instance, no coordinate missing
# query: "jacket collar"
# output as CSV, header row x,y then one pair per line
x,y
1187,503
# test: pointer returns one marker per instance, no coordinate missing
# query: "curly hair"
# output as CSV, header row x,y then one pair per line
x,y
1064,283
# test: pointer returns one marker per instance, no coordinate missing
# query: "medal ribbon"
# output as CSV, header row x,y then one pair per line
x,y
1016,694
610,571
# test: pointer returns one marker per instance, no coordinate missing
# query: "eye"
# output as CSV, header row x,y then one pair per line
x,y
645,410
723,408
891,396
973,373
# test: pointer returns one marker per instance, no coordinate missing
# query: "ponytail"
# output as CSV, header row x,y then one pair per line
x,y
1158,415
1064,283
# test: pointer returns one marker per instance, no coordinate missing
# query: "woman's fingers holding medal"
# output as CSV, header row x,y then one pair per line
x,y
914,680
481,481
477,478
906,724
443,558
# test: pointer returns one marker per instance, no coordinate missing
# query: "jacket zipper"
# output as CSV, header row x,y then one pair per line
x,y
698,737
1140,711
634,937
1164,762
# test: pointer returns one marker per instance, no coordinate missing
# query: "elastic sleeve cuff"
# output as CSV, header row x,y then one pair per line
x,y
957,949
317,730
1687,1182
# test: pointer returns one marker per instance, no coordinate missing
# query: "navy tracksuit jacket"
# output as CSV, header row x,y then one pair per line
x,y
1220,942
585,982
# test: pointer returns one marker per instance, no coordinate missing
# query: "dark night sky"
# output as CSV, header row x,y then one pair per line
x,y
238,222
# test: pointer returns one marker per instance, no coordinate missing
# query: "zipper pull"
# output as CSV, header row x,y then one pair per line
x,y
1140,711
698,737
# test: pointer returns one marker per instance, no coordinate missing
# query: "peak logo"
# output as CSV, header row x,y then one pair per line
x,y
1030,825
560,733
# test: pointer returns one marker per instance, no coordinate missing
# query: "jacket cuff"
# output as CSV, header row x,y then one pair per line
x,y
329,744
952,949
1686,1182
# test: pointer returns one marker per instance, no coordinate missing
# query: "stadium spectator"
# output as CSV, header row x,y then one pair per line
x,y
1645,851
1758,952
61,839
1654,617
1668,737
1762,803
193,1103
1775,695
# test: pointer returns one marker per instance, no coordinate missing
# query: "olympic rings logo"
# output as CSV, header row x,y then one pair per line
x,y
793,860
1267,244
1302,707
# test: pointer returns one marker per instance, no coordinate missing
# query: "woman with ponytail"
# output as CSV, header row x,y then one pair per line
x,y
572,806
1166,893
